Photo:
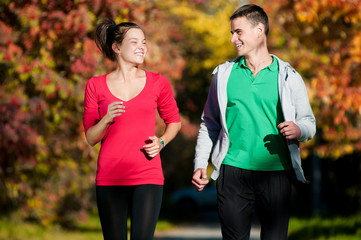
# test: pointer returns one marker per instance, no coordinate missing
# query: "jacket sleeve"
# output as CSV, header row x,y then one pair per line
x,y
209,127
304,117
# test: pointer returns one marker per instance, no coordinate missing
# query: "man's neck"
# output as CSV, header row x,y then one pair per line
x,y
257,62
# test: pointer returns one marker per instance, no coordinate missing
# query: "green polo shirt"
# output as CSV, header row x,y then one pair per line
x,y
252,115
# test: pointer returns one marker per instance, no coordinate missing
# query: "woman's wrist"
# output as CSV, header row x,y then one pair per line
x,y
162,142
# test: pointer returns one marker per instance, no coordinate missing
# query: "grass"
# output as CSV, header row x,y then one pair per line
x,y
13,229
318,228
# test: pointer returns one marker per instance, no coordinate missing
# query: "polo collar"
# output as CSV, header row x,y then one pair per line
x,y
241,63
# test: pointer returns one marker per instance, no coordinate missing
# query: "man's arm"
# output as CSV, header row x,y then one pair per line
x,y
207,136
304,126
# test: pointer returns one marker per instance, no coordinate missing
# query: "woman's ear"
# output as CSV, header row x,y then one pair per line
x,y
116,48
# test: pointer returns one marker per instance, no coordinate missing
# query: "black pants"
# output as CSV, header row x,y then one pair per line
x,y
241,192
141,202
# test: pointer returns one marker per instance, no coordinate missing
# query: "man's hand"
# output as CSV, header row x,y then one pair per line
x,y
289,130
199,179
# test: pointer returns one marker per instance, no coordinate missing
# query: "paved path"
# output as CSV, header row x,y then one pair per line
x,y
200,231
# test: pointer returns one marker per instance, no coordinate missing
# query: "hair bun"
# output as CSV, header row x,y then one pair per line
x,y
111,27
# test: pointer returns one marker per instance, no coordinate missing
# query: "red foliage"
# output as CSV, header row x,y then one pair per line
x,y
46,56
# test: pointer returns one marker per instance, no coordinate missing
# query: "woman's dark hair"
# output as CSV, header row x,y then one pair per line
x,y
107,32
255,14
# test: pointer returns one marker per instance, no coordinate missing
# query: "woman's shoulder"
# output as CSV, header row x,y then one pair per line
x,y
96,84
155,75
156,78
97,79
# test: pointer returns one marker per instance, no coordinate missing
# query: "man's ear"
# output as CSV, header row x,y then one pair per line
x,y
260,29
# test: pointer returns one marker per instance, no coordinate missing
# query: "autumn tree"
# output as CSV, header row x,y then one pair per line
x,y
47,54
206,43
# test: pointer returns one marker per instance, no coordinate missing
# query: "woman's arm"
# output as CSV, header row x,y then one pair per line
x,y
153,148
96,133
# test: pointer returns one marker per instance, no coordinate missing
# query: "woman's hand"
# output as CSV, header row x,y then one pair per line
x,y
153,148
115,109
96,132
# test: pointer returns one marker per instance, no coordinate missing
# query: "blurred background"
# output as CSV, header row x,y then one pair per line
x,y
47,54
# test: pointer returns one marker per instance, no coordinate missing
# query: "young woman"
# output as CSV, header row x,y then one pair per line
x,y
120,112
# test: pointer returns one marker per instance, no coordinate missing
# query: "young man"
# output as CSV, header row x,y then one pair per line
x,y
256,114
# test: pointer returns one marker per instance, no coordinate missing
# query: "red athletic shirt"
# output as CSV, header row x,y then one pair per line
x,y
122,160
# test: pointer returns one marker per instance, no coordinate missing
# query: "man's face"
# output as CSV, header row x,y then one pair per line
x,y
245,37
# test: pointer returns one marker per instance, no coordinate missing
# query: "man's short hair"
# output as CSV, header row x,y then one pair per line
x,y
254,14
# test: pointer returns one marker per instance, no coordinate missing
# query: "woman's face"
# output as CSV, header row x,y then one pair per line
x,y
134,47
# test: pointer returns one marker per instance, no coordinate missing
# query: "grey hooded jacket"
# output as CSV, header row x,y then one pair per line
x,y
213,137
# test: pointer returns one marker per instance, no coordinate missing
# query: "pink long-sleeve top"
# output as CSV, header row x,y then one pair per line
x,y
122,160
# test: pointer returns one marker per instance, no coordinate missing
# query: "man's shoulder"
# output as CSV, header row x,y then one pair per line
x,y
285,66
225,65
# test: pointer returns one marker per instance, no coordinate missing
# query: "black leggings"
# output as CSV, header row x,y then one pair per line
x,y
142,202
